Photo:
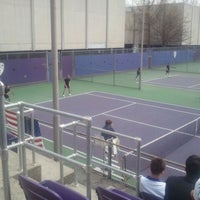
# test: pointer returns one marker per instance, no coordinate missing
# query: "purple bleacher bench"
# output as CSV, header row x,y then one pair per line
x,y
114,194
47,190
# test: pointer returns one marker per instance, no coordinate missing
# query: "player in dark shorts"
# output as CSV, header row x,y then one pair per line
x,y
67,85
138,73
6,92
167,69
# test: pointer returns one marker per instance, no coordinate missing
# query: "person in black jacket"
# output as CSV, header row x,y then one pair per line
x,y
180,187
6,92
67,85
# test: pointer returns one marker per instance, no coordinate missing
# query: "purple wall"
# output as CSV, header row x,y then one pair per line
x,y
66,65
28,67
19,71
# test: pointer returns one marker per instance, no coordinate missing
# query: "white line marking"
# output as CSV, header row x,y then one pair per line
x,y
154,106
192,86
171,132
142,123
118,108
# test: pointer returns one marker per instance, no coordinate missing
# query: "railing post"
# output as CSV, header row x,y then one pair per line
x,y
3,145
138,166
89,163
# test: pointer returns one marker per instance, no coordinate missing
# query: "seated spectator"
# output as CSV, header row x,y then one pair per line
x,y
195,194
153,184
180,187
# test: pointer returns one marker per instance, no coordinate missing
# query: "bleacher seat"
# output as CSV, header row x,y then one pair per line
x,y
47,190
113,194
147,196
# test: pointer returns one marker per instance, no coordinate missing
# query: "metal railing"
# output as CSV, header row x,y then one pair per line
x,y
74,120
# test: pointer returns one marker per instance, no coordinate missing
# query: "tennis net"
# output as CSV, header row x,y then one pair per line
x,y
174,139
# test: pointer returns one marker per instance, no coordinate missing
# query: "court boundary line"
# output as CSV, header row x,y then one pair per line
x,y
141,123
155,106
159,102
163,136
190,87
160,78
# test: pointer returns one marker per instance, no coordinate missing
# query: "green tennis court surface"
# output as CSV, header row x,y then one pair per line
x,y
125,85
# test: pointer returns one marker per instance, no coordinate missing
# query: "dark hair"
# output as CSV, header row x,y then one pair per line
x,y
157,166
192,166
108,122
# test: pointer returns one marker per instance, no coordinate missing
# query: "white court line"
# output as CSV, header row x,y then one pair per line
x,y
180,111
147,100
193,86
160,78
154,106
142,123
112,98
172,131
61,98
118,108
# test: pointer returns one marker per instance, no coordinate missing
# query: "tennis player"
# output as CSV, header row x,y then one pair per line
x,y
67,85
7,92
138,73
167,69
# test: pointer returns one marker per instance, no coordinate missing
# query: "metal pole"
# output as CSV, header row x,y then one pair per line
x,y
107,18
142,42
86,24
3,145
56,118
89,155
138,166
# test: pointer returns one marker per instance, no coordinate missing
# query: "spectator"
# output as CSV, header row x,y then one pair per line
x,y
108,126
180,187
196,192
153,184
110,137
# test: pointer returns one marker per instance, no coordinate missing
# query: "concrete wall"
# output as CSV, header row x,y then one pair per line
x,y
26,24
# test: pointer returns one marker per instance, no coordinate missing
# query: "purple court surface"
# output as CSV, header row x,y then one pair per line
x,y
191,82
168,131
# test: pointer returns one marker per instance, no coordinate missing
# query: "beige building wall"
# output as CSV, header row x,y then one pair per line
x,y
116,23
26,24
15,29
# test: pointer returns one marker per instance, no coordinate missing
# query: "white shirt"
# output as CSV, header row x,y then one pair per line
x,y
197,190
152,186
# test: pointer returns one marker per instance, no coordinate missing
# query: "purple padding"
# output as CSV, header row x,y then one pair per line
x,y
63,191
164,57
34,190
66,65
105,194
18,71
95,64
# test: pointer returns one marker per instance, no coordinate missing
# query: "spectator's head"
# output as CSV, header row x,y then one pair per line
x,y
108,122
157,166
192,166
